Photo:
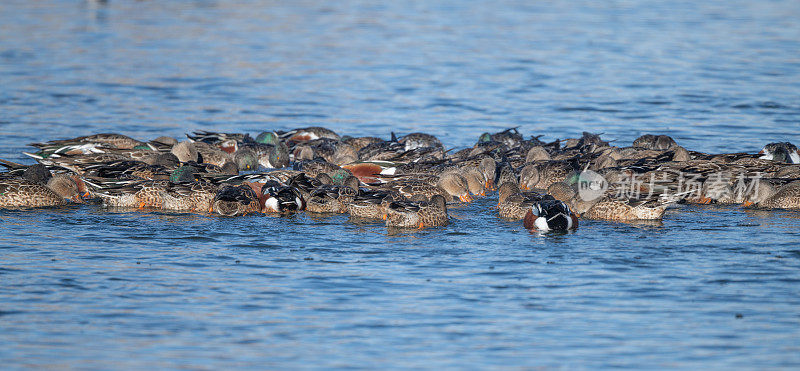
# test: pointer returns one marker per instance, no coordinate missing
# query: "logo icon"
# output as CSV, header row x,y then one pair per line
x,y
591,185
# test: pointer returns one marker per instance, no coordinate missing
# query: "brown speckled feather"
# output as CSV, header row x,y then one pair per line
x,y
621,211
786,197
195,197
145,194
116,140
21,193
417,214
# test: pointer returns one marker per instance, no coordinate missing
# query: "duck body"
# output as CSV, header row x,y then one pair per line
x,y
236,201
371,204
541,175
550,215
408,214
620,211
190,197
140,195
281,198
785,197
17,192
415,189
514,204
114,140
307,134
330,199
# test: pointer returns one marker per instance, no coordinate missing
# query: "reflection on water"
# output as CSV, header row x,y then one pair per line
x,y
710,286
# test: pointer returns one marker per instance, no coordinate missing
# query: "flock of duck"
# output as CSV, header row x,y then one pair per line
x,y
405,182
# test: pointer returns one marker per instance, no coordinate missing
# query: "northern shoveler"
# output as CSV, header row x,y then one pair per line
x,y
550,215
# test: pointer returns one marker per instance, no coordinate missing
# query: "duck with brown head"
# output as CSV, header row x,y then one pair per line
x,y
515,204
767,195
18,192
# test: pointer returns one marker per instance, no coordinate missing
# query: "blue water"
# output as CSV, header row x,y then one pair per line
x,y
710,287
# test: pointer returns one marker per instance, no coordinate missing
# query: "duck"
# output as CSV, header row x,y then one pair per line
x,y
769,196
307,134
35,173
323,195
537,153
542,174
414,188
370,172
268,137
407,152
510,137
314,168
419,140
127,169
46,151
185,151
360,142
80,161
329,198
76,149
281,198
21,192
484,168
506,173
236,200
110,139
213,137
132,194
621,211
781,151
277,191
454,185
190,196
268,156
421,214
244,158
385,150
371,204
655,142
550,215
324,148
603,204
514,204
